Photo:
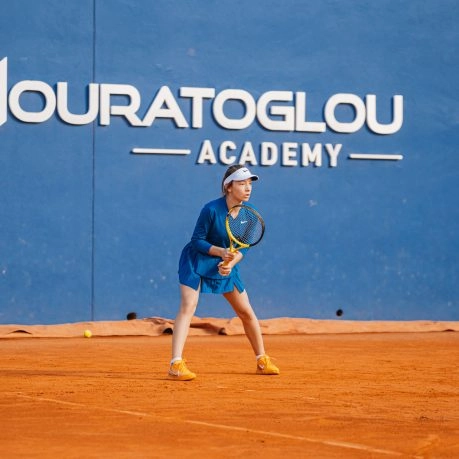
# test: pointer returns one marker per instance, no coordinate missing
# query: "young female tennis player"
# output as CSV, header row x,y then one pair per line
x,y
208,266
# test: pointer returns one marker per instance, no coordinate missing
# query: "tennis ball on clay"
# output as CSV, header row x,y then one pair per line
x,y
87,333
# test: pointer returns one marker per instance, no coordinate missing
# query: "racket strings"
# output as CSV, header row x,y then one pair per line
x,y
247,227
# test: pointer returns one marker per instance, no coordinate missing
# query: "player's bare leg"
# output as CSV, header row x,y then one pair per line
x,y
189,300
241,305
188,303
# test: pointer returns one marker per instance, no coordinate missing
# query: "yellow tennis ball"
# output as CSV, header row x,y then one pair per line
x,y
87,334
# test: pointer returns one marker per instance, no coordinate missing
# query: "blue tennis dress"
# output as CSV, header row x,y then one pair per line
x,y
196,266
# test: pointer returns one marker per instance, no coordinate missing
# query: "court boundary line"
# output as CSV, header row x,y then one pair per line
x,y
333,443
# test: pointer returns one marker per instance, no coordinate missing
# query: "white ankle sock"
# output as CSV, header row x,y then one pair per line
x,y
175,359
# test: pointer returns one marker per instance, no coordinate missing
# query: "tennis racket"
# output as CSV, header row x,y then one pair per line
x,y
245,227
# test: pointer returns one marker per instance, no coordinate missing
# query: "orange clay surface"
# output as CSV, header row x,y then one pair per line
x,y
375,395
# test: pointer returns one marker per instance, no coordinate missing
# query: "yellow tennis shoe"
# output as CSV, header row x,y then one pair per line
x,y
266,367
179,371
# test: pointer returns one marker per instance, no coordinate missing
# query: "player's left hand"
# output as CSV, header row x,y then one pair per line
x,y
224,270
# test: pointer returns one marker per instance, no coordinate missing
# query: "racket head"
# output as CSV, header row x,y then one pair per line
x,y
244,225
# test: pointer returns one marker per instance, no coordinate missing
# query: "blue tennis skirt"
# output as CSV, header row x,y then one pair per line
x,y
189,277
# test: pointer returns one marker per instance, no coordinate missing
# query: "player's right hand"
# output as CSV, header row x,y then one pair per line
x,y
227,255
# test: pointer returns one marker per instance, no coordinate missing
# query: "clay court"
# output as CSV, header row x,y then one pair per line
x,y
346,395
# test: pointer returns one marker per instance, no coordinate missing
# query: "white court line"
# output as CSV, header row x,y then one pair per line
x,y
377,156
82,405
160,151
340,444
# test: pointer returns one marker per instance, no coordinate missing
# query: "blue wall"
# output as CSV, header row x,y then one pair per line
x,y
90,230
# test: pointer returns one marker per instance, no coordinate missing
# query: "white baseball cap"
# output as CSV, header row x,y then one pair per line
x,y
241,174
